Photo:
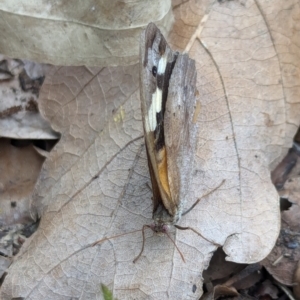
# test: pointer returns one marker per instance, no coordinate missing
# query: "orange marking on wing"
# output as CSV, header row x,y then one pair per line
x,y
163,171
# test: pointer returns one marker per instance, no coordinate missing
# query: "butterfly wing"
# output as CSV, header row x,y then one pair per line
x,y
157,64
180,128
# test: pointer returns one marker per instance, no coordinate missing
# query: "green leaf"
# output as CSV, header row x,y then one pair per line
x,y
107,294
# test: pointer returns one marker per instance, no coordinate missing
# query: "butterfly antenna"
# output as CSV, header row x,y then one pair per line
x,y
210,192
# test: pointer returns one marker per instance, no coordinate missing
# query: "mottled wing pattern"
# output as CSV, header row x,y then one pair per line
x,y
160,69
180,130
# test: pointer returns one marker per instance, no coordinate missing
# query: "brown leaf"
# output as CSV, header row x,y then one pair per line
x,y
248,282
282,171
244,277
219,268
92,33
19,170
224,273
267,288
220,291
282,261
296,280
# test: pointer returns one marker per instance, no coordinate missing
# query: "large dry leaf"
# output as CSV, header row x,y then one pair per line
x,y
94,184
88,32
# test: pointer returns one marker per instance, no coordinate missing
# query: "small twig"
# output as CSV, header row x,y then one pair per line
x,y
285,290
277,260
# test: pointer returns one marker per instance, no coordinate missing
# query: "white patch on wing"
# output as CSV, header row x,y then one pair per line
x,y
155,107
162,64
156,101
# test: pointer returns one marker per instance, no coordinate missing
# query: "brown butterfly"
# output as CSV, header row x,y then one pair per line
x,y
169,101
169,110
